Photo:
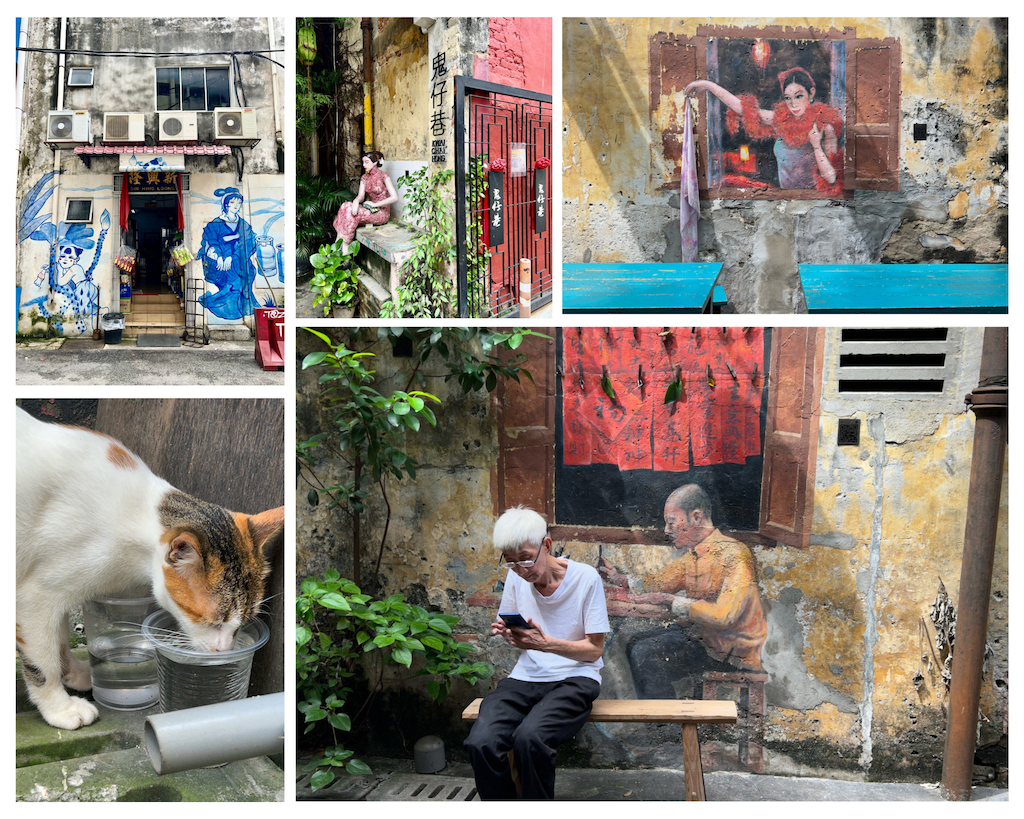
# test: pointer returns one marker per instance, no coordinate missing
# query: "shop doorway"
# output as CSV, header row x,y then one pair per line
x,y
154,223
156,301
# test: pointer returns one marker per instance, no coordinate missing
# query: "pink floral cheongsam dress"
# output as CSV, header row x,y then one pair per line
x,y
376,190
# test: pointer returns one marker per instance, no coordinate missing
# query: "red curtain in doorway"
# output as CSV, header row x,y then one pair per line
x,y
125,207
181,214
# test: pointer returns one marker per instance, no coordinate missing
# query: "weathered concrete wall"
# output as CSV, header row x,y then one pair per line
x,y
507,50
854,686
955,183
849,629
47,177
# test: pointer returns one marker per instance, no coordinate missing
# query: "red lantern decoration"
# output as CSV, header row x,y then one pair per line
x,y
759,53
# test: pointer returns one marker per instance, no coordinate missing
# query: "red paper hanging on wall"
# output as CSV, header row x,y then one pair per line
x,y
637,430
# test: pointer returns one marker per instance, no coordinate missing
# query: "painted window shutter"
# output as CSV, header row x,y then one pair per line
x,y
791,434
673,63
526,430
873,115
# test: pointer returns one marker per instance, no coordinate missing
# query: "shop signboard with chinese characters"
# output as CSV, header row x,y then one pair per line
x,y
496,206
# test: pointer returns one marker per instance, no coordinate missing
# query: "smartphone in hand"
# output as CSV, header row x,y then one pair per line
x,y
514,620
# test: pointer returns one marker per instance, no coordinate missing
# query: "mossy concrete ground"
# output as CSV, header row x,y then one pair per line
x,y
107,762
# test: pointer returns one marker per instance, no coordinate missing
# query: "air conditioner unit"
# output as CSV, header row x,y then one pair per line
x,y
67,127
234,126
178,126
124,127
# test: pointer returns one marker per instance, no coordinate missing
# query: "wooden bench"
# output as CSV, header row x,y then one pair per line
x,y
641,288
905,288
687,713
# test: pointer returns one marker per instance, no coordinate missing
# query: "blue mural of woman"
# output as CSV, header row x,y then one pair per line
x,y
228,253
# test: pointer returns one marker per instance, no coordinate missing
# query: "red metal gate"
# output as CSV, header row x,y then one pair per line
x,y
502,179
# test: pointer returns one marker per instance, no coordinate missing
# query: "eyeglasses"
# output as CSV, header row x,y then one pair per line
x,y
518,564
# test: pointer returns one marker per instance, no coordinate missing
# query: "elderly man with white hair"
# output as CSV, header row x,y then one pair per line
x,y
547,697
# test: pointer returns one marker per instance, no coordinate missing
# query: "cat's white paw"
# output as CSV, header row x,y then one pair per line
x,y
78,677
77,713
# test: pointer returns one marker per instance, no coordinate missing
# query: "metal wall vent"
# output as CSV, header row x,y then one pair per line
x,y
848,433
894,360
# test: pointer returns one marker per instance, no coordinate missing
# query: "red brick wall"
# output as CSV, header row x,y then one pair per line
x,y
520,52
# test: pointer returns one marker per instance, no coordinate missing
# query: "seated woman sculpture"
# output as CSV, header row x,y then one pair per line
x,y
372,205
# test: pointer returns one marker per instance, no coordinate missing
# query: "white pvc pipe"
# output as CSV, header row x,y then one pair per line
x,y
215,734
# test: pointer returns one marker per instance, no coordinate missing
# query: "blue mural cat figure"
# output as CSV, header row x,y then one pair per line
x,y
228,251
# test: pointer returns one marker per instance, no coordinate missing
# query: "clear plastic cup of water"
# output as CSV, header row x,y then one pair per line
x,y
122,660
190,677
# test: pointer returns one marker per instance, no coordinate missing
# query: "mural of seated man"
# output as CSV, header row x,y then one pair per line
x,y
710,595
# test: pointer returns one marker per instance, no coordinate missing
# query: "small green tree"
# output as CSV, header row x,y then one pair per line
x,y
368,427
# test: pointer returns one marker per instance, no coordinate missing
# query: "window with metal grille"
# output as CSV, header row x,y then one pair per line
x,y
894,360
192,88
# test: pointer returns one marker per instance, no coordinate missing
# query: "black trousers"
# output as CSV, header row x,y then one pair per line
x,y
532,719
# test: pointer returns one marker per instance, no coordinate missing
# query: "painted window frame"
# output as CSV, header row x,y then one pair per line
x,y
872,108
525,468
226,68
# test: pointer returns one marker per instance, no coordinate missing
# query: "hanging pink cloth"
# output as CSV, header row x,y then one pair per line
x,y
689,198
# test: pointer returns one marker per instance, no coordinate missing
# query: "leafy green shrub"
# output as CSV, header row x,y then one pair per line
x,y
426,290
335,281
338,625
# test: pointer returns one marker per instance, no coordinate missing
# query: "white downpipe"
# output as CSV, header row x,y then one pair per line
x,y
273,83
215,734
60,107
19,102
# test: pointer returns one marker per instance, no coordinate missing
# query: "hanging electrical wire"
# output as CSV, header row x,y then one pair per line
x,y
155,54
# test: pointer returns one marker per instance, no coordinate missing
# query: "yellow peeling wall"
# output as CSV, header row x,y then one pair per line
x,y
401,99
861,674
954,183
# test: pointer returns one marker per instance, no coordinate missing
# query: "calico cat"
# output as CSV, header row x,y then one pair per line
x,y
93,520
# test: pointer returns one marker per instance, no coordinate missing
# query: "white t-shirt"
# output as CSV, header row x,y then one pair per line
x,y
575,609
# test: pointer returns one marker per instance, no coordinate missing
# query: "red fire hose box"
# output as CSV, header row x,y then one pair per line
x,y
270,337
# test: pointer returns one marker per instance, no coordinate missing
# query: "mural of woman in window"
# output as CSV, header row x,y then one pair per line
x,y
372,205
806,132
228,252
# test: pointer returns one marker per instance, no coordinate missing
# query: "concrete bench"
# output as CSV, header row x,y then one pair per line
x,y
642,288
686,713
384,249
905,288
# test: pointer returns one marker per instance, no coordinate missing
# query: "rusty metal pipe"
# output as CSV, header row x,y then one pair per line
x,y
989,402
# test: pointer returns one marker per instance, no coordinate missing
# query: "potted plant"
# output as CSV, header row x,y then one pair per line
x,y
335,279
